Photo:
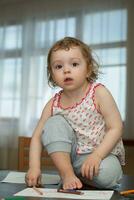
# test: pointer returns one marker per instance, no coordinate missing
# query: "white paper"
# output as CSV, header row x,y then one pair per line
x,y
19,177
52,193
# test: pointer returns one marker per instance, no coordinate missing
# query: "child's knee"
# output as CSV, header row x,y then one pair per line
x,y
56,125
57,134
110,173
109,179
54,122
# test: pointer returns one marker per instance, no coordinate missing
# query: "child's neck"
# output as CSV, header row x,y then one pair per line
x,y
71,97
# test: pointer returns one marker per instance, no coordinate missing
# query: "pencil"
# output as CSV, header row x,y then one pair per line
x,y
70,191
127,192
37,190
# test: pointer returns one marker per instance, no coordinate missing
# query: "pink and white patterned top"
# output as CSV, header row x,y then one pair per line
x,y
87,123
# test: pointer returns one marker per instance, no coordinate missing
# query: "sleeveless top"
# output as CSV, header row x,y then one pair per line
x,y
87,122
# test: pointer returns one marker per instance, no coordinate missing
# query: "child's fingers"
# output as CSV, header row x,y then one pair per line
x,y
91,172
39,183
83,171
30,181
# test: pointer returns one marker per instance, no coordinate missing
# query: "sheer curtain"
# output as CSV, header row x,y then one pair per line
x,y
27,31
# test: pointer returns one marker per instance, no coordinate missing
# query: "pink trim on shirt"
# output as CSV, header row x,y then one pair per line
x,y
93,95
74,106
54,99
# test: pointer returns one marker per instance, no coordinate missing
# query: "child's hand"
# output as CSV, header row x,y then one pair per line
x,y
90,166
33,177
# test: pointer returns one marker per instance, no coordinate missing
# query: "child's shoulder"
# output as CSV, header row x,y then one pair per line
x,y
100,90
95,87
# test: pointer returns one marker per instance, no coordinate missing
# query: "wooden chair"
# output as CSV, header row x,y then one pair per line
x,y
23,155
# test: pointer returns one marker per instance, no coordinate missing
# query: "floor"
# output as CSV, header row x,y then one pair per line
x,y
129,167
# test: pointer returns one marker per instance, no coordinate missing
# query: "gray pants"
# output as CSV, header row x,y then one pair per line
x,y
59,136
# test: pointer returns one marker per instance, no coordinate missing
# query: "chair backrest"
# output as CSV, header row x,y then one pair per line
x,y
23,155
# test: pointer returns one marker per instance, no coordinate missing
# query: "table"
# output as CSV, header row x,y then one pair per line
x,y
8,189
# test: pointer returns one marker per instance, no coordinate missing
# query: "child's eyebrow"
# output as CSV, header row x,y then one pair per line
x,y
55,62
75,58
60,61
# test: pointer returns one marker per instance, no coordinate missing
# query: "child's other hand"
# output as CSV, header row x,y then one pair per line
x,y
33,177
90,166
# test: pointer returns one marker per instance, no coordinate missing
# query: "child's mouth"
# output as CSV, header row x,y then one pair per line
x,y
68,80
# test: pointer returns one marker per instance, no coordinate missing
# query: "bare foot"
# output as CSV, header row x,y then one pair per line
x,y
71,182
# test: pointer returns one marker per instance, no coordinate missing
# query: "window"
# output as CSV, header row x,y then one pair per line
x,y
10,70
106,33
53,30
23,52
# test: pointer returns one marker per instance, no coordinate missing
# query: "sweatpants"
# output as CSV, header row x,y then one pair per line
x,y
58,136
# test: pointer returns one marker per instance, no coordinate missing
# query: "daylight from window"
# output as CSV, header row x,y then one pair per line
x,y
101,30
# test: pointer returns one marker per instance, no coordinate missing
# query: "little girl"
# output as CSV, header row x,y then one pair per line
x,y
82,125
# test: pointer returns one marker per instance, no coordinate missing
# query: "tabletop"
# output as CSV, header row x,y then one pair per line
x,y
8,189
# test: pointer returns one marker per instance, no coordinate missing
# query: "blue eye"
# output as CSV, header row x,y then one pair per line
x,y
75,64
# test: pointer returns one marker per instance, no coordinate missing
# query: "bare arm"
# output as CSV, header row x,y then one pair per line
x,y
33,175
107,107
109,110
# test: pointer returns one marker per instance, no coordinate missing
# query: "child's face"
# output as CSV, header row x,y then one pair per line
x,y
69,68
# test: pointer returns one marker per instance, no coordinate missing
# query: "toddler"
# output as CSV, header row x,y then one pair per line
x,y
82,125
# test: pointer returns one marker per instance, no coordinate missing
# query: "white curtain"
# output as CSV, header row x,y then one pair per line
x,y
27,31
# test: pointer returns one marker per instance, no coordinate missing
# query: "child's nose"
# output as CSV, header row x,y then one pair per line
x,y
66,69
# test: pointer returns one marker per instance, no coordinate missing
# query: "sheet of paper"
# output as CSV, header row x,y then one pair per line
x,y
52,193
19,177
